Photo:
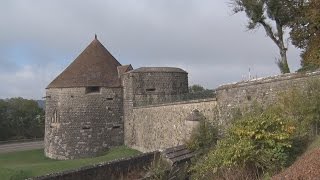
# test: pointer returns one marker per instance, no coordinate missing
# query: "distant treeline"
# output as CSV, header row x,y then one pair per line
x,y
20,119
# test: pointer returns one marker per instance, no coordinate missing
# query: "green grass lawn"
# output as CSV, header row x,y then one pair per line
x,y
23,164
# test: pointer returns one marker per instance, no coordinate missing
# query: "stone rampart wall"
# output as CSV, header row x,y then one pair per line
x,y
155,127
162,126
157,87
164,99
265,91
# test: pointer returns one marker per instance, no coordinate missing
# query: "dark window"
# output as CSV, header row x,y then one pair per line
x,y
116,127
110,99
93,89
86,127
151,89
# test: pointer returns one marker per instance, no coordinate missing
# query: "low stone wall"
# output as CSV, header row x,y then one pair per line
x,y
126,169
162,126
265,91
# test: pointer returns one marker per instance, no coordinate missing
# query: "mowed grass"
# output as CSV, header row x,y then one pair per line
x,y
24,164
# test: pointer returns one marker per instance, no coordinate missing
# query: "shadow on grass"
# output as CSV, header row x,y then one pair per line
x,y
25,164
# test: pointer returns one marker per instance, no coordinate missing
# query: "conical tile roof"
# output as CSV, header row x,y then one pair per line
x,y
95,66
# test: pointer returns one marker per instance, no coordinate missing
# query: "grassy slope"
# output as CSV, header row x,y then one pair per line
x,y
34,163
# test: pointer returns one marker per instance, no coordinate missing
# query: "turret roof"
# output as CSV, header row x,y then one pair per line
x,y
95,66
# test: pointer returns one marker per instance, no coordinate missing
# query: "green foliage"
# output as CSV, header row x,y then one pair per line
x,y
33,162
311,55
20,118
303,107
203,137
305,32
257,142
196,88
160,169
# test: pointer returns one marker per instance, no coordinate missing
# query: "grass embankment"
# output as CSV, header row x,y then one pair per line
x,y
24,164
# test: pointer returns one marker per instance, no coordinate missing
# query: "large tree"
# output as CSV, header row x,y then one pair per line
x,y
305,33
274,16
20,118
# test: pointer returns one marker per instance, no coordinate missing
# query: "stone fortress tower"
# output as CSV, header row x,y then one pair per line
x,y
149,85
89,105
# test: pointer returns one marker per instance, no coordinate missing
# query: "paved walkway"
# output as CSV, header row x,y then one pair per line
x,y
21,146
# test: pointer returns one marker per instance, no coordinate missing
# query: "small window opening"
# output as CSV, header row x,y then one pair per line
x,y
93,89
86,127
249,98
116,127
54,118
109,99
150,89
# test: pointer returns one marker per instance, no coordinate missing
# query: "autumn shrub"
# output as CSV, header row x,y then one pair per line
x,y
257,142
303,105
204,136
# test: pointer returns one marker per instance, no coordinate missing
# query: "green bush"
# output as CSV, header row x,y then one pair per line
x,y
20,119
204,136
303,106
258,142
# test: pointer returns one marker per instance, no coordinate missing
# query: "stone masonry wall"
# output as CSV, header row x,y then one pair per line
x,y
156,87
82,125
265,91
162,126
143,88
127,108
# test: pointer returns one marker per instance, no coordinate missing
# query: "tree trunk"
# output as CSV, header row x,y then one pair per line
x,y
277,38
283,61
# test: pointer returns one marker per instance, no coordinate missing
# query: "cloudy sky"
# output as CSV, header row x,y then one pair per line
x,y
38,39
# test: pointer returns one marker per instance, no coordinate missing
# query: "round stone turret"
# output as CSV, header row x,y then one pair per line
x,y
157,84
84,106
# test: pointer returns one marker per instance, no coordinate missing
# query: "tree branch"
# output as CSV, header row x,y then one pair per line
x,y
270,32
280,34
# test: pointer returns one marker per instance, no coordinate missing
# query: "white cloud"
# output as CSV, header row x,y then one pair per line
x,y
27,81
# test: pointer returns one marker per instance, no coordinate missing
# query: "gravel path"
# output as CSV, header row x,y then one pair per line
x,y
21,146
